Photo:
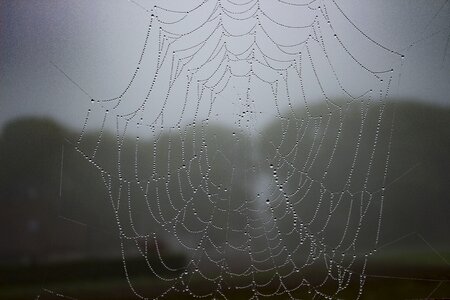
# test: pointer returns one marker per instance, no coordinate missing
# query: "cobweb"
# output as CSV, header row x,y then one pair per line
x,y
245,171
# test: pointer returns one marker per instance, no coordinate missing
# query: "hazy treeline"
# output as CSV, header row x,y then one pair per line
x,y
55,201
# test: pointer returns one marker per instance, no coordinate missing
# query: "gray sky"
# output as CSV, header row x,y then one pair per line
x,y
97,44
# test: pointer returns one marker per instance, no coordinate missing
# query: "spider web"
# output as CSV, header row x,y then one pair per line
x,y
286,210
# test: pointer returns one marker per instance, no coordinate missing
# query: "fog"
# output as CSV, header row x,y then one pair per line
x,y
97,44
224,148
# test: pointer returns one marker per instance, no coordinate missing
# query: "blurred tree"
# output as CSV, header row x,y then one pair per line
x,y
209,171
325,149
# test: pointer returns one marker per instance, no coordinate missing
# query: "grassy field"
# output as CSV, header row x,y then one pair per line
x,y
394,275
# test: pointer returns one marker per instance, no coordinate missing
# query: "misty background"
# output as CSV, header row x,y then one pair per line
x,y
58,221
97,44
